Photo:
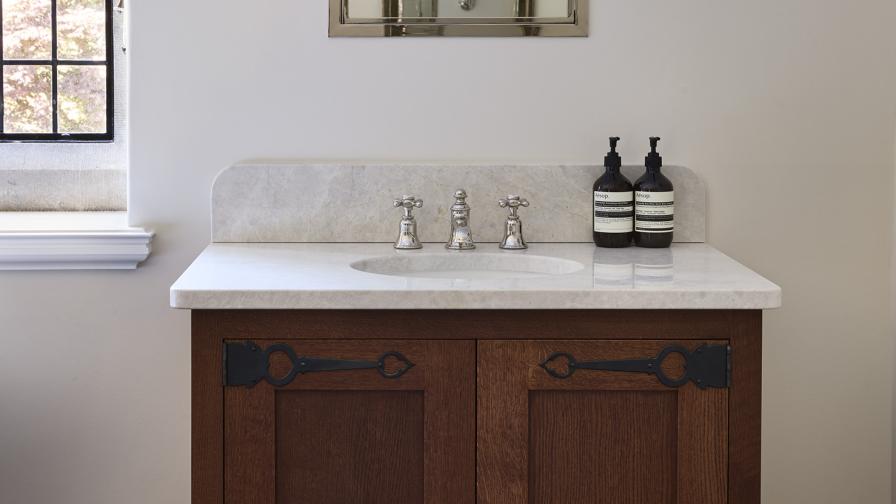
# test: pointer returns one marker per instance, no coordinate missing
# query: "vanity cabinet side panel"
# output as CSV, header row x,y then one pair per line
x,y
745,424
207,401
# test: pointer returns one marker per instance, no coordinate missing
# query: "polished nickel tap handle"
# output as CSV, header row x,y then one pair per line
x,y
513,202
407,230
513,228
409,203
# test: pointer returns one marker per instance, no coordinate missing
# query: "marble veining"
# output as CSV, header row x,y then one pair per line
x,y
314,203
579,276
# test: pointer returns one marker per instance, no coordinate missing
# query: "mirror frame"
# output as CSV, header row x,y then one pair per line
x,y
576,25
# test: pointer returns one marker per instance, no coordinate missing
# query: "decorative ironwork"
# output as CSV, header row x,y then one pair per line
x,y
247,364
707,366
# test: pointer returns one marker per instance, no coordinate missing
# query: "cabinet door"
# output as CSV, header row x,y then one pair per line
x,y
597,436
355,434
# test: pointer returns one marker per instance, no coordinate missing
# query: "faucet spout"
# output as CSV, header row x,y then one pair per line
x,y
461,237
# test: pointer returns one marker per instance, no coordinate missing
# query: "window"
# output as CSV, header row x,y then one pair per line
x,y
56,61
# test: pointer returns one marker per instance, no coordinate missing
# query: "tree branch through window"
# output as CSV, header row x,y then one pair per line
x,y
56,63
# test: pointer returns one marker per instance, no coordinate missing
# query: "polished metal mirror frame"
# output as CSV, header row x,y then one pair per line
x,y
575,25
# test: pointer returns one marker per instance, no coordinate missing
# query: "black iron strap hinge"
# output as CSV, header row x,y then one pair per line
x,y
247,364
709,366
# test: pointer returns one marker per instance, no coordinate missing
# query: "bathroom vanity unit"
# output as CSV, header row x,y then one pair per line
x,y
357,373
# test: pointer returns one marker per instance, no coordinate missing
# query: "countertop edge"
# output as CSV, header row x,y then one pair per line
x,y
197,288
482,300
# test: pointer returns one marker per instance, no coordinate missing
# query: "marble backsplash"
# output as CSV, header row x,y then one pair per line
x,y
300,202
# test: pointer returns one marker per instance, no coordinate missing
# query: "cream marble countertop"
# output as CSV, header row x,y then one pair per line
x,y
320,276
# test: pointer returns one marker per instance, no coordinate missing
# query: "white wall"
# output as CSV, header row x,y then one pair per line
x,y
786,107
893,320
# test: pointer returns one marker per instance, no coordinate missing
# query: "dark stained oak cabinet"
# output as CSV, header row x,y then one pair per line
x,y
597,436
477,418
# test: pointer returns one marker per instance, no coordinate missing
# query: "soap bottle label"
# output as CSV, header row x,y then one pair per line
x,y
613,212
654,211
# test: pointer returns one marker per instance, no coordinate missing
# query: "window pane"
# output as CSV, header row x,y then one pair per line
x,y
81,25
27,99
26,29
82,99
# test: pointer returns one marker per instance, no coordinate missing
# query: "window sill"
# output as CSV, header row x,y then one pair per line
x,y
71,241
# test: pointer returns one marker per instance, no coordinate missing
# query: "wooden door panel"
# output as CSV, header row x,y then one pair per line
x,y
597,436
349,445
354,435
577,436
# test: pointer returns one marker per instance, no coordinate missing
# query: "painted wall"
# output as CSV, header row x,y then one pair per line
x,y
785,107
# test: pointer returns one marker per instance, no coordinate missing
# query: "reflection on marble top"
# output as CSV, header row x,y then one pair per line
x,y
577,276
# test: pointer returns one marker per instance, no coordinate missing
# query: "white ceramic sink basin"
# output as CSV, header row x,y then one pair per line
x,y
467,265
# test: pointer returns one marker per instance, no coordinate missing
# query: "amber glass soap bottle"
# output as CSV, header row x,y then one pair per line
x,y
654,203
613,203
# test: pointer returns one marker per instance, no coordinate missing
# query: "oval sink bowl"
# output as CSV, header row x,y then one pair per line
x,y
467,266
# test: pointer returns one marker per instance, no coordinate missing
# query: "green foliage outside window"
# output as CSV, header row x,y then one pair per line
x,y
80,66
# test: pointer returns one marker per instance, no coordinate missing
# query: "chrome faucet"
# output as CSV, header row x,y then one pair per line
x,y
407,230
461,237
513,228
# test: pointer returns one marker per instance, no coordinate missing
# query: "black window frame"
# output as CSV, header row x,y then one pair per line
x,y
54,62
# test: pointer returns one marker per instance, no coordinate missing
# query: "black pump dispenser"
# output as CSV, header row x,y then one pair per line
x,y
614,205
613,160
654,203
653,161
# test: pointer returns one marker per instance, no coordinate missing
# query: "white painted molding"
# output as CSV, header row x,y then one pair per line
x,y
70,241
69,250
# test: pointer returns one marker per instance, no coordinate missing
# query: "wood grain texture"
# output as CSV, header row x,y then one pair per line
x,y
421,432
477,324
745,423
509,376
450,426
453,467
602,447
702,445
502,411
249,445
207,429
349,446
